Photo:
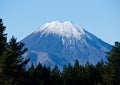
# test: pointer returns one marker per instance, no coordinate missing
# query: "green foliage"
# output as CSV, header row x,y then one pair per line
x,y
55,76
100,73
31,71
3,38
11,62
113,67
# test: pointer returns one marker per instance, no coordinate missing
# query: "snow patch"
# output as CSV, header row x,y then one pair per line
x,y
65,29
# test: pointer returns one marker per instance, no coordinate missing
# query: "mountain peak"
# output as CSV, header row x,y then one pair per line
x,y
48,47
66,29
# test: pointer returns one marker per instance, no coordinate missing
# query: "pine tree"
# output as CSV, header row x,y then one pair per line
x,y
12,63
3,38
64,75
90,74
46,75
55,76
31,71
38,73
76,66
114,65
32,76
100,72
77,73
69,75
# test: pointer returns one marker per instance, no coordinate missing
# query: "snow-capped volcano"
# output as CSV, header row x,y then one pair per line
x,y
62,43
65,29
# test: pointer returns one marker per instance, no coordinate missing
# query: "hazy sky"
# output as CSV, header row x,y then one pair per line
x,y
100,17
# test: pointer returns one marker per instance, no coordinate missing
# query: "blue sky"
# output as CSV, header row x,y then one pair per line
x,y
100,17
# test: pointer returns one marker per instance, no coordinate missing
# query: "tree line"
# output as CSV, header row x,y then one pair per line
x,y
14,72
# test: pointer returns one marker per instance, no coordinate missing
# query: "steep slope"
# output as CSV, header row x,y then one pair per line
x,y
63,43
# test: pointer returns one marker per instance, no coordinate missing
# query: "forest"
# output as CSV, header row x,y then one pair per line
x,y
13,67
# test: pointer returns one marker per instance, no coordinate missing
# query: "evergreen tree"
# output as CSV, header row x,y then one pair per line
x,y
64,72
46,75
55,76
82,75
77,73
38,73
31,71
12,63
114,65
90,74
100,72
69,75
76,66
3,38
32,76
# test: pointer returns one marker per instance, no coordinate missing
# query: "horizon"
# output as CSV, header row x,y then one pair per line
x,y
100,18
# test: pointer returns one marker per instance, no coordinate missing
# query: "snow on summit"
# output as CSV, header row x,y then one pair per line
x,y
66,29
